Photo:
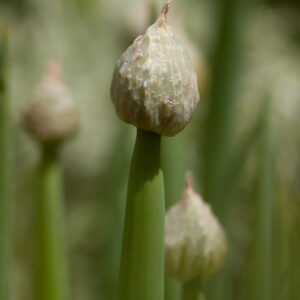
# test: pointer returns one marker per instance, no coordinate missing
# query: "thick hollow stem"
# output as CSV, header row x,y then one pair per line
x,y
5,172
142,261
51,281
192,290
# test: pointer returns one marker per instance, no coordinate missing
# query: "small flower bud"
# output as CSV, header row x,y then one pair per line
x,y
52,116
154,85
195,243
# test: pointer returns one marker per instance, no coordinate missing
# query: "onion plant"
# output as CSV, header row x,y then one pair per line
x,y
51,118
195,244
154,87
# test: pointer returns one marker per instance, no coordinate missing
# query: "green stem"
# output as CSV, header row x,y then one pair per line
x,y
142,261
108,258
175,162
175,165
172,288
262,276
192,290
281,244
221,109
51,279
220,127
5,172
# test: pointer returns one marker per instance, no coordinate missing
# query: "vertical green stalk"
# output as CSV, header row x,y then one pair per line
x,y
281,245
51,275
174,167
5,171
222,102
294,255
117,171
142,261
262,254
220,126
174,164
192,290
172,288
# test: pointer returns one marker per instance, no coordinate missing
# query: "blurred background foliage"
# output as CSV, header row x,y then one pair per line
x,y
243,143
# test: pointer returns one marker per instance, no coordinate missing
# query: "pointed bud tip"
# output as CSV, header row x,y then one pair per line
x,y
54,69
189,181
163,13
165,8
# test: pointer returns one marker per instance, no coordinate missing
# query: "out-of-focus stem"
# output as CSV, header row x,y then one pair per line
x,y
263,222
5,171
281,244
108,259
192,290
142,261
51,274
172,288
222,102
174,162
220,127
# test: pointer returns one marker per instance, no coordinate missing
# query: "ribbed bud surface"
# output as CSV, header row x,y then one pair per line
x,y
52,116
154,85
195,243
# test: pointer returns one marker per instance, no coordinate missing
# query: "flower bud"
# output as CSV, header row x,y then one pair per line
x,y
52,116
195,243
154,85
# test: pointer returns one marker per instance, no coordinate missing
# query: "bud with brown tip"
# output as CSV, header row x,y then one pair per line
x,y
52,116
195,243
154,85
